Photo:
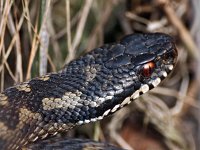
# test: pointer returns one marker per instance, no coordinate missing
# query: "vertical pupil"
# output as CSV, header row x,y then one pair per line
x,y
148,69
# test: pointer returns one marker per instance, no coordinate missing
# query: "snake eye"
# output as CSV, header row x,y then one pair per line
x,y
148,69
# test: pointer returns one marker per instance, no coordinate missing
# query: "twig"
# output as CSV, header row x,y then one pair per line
x,y
25,5
116,124
51,63
79,31
10,72
68,26
73,22
15,31
55,45
2,72
98,29
10,48
183,32
33,52
6,11
44,36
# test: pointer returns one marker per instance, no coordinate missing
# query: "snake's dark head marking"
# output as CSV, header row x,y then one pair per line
x,y
87,89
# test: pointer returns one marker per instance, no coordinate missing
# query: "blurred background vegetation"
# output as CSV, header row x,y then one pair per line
x,y
41,36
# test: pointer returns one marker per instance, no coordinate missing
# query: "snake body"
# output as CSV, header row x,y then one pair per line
x,y
86,90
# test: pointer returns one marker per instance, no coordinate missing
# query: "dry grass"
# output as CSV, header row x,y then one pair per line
x,y
41,36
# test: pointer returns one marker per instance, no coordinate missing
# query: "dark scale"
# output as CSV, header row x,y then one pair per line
x,y
84,90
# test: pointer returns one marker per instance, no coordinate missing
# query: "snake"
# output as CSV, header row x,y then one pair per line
x,y
86,90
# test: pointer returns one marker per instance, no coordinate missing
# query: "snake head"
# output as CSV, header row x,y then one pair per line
x,y
138,63
153,55
148,57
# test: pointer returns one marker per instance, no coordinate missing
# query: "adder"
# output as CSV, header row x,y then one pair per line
x,y
85,90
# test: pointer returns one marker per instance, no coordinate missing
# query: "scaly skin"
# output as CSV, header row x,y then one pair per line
x,y
87,89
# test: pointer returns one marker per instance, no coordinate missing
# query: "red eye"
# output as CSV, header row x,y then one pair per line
x,y
148,69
